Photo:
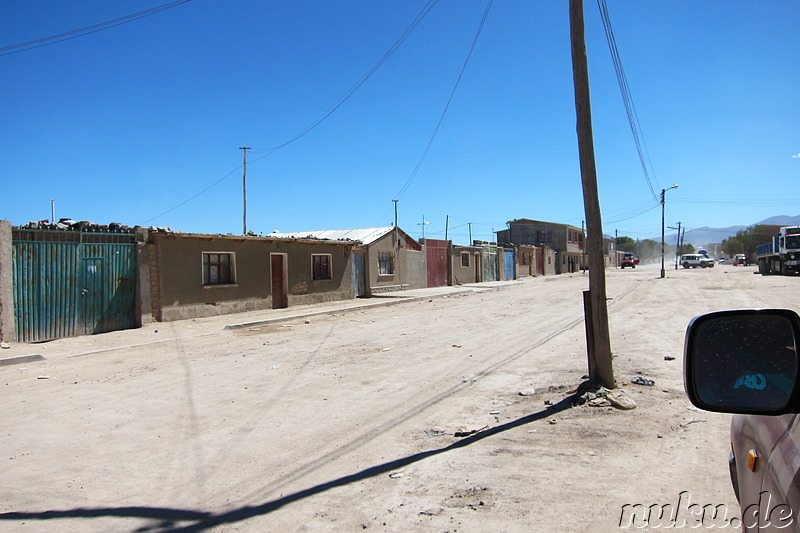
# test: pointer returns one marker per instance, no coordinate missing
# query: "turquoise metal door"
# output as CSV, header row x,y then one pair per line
x,y
65,286
90,311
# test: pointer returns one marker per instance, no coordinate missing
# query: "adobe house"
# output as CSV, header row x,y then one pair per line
x,y
198,275
390,258
529,261
566,241
466,266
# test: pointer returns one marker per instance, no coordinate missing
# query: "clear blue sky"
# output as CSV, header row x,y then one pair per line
x,y
126,124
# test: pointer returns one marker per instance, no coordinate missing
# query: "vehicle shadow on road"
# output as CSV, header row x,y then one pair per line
x,y
174,520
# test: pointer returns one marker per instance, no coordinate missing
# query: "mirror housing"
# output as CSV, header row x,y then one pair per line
x,y
743,361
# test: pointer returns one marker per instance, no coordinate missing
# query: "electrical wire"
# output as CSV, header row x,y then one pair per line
x,y
88,30
627,99
171,209
344,97
410,179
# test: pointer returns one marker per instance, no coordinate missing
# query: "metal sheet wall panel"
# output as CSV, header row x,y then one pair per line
x,y
45,290
63,289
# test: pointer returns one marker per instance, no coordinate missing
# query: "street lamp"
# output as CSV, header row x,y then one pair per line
x,y
663,194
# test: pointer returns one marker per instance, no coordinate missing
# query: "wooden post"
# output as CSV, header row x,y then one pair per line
x,y
601,369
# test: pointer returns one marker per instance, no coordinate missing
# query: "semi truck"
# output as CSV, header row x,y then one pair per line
x,y
781,255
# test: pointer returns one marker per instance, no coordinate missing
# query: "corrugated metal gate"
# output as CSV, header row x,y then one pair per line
x,y
489,261
72,283
436,254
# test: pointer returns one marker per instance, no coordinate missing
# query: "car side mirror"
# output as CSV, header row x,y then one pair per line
x,y
743,361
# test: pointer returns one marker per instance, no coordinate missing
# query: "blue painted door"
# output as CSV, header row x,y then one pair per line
x,y
508,264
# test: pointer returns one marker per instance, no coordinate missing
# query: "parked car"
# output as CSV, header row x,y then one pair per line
x,y
696,260
739,259
746,362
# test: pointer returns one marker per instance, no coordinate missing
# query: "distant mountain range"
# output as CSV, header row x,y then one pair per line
x,y
706,235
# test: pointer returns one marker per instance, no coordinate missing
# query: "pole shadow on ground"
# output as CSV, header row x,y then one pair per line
x,y
171,520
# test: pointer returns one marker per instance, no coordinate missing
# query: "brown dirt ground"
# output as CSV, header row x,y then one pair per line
x,y
348,422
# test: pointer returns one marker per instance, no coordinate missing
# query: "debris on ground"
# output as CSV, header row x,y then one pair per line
x,y
5,345
599,402
466,432
396,475
597,396
619,399
639,380
668,358
527,392
684,425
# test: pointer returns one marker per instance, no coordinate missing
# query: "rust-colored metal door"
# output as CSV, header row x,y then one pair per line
x,y
279,281
436,254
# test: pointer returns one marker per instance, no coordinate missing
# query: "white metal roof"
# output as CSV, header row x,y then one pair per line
x,y
364,235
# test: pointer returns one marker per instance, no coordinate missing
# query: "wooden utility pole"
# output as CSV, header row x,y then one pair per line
x,y
244,189
598,340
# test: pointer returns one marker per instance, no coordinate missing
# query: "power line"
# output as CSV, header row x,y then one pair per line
x,y
88,30
407,184
342,99
627,99
171,209
421,15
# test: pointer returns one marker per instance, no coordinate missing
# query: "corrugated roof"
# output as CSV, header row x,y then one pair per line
x,y
364,235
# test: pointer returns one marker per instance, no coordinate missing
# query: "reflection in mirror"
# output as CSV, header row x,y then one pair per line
x,y
745,362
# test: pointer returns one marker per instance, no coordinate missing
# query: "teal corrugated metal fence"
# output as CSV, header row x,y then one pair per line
x,y
65,286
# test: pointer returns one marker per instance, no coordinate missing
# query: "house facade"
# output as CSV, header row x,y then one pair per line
x,y
198,275
466,264
391,259
529,261
567,242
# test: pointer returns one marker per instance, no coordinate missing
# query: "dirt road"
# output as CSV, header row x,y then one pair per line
x,y
349,422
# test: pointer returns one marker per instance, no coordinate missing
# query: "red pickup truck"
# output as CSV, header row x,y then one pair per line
x,y
628,260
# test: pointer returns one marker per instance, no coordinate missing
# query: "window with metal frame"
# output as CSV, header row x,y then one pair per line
x,y
321,267
218,268
465,259
385,263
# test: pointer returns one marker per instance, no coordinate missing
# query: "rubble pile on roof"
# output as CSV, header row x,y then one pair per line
x,y
362,235
67,224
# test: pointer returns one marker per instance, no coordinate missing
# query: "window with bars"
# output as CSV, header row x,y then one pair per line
x,y
385,264
321,266
465,259
218,268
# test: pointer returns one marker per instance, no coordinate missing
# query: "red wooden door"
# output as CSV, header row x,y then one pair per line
x,y
278,277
